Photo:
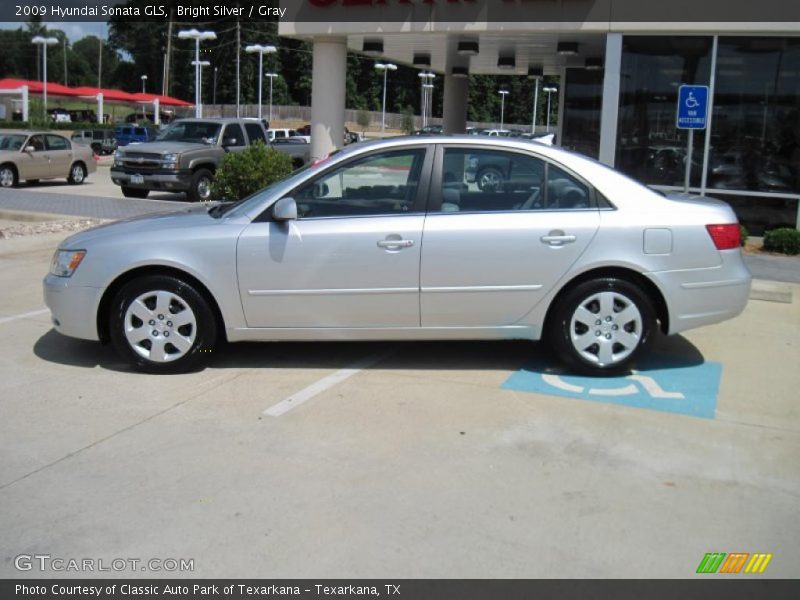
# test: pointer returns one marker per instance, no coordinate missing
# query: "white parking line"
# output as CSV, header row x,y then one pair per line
x,y
323,384
35,313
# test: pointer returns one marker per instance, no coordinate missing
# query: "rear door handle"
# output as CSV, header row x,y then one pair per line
x,y
395,243
557,238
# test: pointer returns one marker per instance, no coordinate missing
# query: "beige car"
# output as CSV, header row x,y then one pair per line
x,y
32,156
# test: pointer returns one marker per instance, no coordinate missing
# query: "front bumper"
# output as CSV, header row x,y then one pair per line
x,y
176,181
73,309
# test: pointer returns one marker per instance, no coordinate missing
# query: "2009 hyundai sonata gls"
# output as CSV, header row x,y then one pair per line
x,y
411,238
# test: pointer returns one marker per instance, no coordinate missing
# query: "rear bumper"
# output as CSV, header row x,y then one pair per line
x,y
698,297
73,309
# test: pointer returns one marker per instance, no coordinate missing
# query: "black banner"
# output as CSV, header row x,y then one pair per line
x,y
410,589
404,11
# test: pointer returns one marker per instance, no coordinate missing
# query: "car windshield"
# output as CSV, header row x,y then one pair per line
x,y
198,132
12,141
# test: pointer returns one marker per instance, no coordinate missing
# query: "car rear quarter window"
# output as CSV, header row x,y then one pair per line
x,y
56,142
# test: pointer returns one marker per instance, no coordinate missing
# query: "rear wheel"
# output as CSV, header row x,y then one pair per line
x,y
77,174
602,325
8,176
200,186
161,324
130,192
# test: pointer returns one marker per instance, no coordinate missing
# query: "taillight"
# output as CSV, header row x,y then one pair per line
x,y
725,237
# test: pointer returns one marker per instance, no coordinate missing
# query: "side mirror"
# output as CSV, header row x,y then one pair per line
x,y
29,149
285,209
229,141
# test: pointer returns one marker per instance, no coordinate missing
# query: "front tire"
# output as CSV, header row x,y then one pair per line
x,y
200,186
162,324
77,174
601,326
130,192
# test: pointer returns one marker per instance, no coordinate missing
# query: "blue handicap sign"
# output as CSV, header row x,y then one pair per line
x,y
687,390
692,107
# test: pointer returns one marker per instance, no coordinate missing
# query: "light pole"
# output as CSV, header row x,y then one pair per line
x,y
197,36
427,95
549,89
535,78
200,64
271,77
214,95
261,50
503,94
385,67
44,42
144,112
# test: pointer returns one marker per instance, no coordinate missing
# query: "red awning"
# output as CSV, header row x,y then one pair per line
x,y
109,95
37,87
162,100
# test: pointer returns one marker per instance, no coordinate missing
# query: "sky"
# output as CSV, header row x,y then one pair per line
x,y
74,31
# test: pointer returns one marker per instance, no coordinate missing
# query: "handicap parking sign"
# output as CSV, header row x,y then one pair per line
x,y
692,107
687,390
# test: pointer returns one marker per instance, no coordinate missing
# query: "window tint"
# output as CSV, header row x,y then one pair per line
x,y
564,191
255,133
233,132
37,141
56,142
379,184
490,180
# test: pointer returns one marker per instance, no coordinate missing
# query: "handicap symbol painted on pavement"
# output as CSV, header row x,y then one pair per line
x,y
687,390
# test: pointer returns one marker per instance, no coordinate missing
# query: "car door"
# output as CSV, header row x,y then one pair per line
x,y
492,252
351,258
59,151
34,164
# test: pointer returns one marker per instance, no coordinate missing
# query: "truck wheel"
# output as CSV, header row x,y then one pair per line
x,y
129,192
200,187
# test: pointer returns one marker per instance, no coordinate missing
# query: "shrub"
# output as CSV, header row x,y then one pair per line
x,y
363,118
744,234
784,240
407,124
243,173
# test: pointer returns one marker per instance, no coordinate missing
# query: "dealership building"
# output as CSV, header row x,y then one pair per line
x,y
620,65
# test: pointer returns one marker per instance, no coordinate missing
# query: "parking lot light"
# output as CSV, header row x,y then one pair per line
x,y
44,42
261,51
385,67
197,36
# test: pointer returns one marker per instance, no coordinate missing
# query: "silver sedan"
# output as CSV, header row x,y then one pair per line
x,y
411,239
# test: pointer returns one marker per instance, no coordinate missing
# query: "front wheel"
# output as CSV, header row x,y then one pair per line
x,y
601,326
162,324
200,186
8,176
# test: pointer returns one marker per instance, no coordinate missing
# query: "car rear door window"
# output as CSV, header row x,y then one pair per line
x,y
565,192
379,184
481,180
255,133
56,142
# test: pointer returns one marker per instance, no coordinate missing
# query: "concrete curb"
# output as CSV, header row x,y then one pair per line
x,y
34,217
771,291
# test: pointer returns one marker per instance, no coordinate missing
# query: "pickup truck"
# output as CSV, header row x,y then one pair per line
x,y
186,155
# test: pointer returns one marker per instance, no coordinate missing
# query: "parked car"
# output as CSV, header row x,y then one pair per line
x,y
185,156
59,115
281,134
101,141
42,155
83,116
133,134
378,242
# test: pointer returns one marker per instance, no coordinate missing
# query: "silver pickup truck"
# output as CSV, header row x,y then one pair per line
x,y
185,156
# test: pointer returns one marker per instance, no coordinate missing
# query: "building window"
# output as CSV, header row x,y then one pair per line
x,y
649,146
583,100
755,137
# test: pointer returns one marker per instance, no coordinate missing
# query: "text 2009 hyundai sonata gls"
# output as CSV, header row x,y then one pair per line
x,y
411,239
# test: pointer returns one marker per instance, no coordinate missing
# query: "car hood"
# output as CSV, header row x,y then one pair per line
x,y
189,217
167,147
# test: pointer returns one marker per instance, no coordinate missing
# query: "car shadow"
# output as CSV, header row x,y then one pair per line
x,y
667,353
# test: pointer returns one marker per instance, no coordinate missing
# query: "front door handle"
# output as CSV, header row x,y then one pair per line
x,y
395,244
557,238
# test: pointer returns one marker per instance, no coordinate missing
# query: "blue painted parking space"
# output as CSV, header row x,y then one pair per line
x,y
684,389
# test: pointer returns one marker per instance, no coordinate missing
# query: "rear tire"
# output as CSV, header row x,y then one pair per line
x,y
77,173
130,192
8,176
162,324
200,186
601,326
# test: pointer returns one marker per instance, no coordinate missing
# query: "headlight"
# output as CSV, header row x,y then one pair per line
x,y
118,158
170,157
65,262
